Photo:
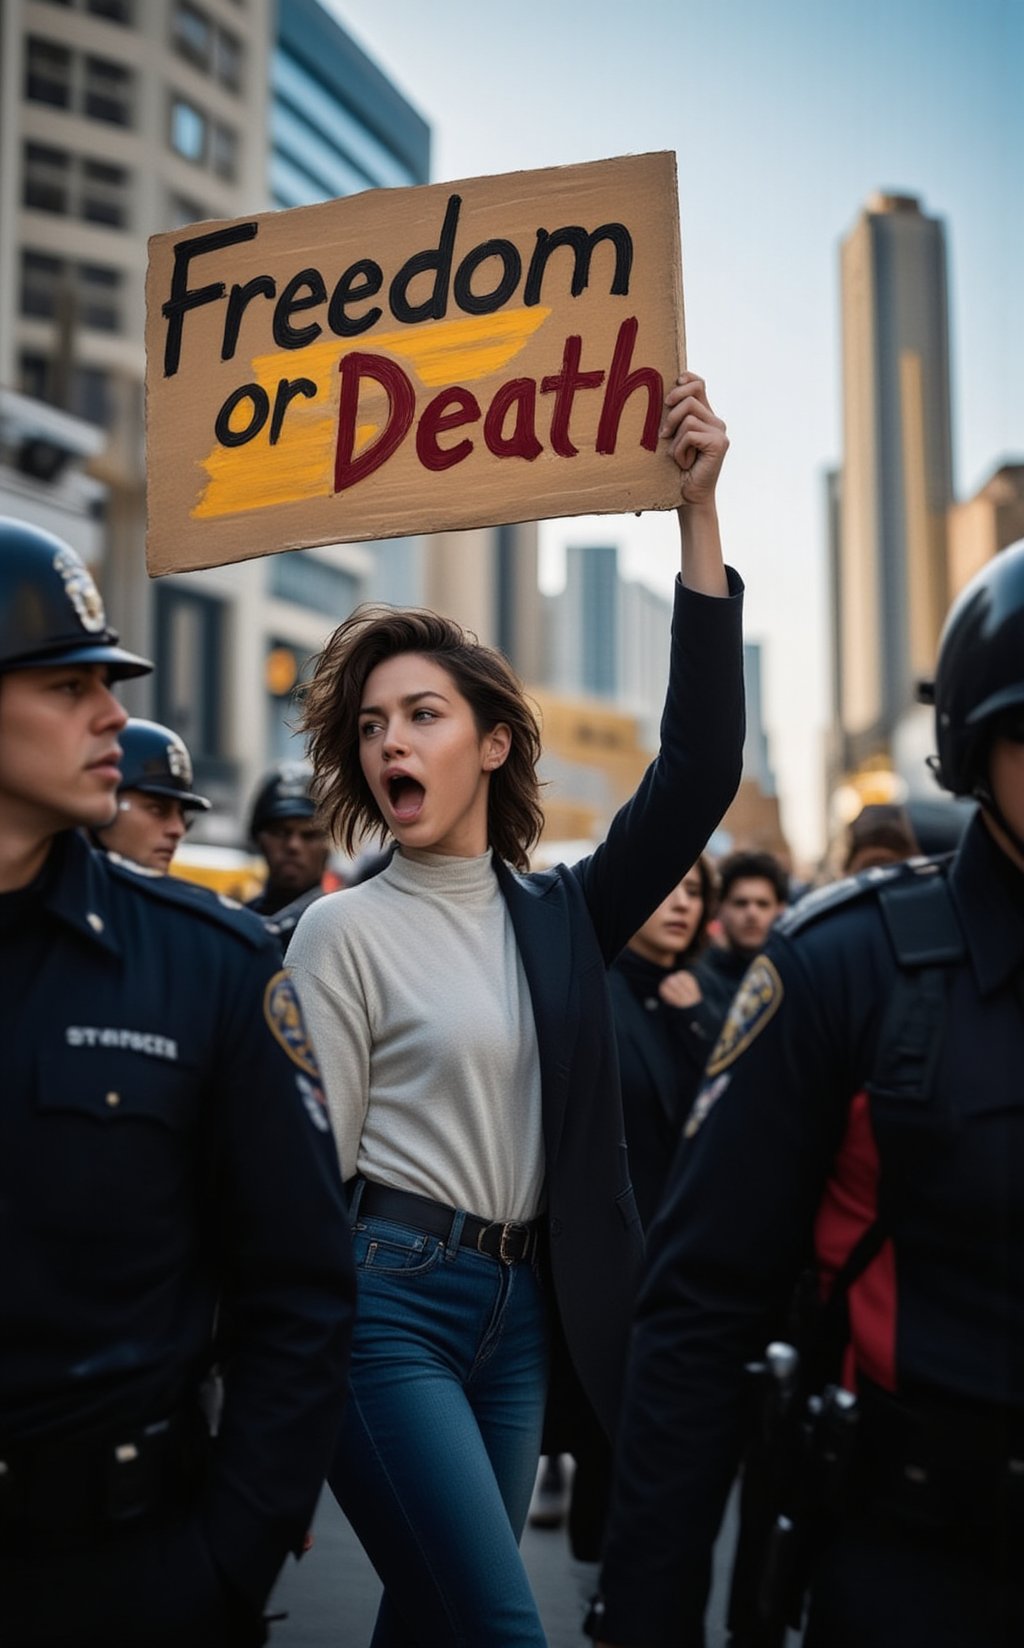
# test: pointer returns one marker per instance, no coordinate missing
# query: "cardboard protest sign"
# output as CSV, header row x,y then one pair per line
x,y
412,360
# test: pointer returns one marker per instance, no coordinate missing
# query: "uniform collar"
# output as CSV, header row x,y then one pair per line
x,y
79,892
988,891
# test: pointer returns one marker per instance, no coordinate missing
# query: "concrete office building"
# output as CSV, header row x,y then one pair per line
x,y
891,589
124,118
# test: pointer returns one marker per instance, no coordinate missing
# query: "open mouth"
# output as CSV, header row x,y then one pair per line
x,y
406,797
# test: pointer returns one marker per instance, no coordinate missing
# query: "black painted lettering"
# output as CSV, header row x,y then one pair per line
x,y
287,336
487,302
261,286
438,259
287,390
361,280
260,410
184,298
582,246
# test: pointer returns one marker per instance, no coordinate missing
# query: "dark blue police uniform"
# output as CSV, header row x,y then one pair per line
x,y
820,1120
165,1162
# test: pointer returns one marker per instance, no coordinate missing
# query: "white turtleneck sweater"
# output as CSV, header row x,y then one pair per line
x,y
415,996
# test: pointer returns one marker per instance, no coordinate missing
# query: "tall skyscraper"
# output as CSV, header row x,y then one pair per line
x,y
897,470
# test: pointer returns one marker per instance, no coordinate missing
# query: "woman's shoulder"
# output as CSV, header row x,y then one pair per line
x,y
334,920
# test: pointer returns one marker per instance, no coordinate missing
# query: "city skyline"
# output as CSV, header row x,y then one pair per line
x,y
785,121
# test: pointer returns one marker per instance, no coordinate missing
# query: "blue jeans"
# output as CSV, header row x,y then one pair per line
x,y
439,1444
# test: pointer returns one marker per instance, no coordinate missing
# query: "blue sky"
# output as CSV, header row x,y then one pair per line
x,y
785,117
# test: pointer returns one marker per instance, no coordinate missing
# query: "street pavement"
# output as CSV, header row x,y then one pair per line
x,y
331,1596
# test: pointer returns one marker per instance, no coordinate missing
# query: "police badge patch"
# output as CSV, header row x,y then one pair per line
x,y
757,1001
81,591
178,762
707,1098
315,1103
284,1016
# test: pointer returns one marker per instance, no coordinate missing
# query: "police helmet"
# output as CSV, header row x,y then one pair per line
x,y
285,792
50,610
980,672
154,760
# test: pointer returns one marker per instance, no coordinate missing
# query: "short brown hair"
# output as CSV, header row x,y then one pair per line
x,y
330,719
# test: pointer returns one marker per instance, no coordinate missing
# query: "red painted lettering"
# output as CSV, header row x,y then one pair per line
x,y
621,384
348,469
564,385
520,393
465,408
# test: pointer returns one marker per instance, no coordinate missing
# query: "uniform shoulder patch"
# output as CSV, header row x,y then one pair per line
x,y
755,1003
288,1027
820,900
188,895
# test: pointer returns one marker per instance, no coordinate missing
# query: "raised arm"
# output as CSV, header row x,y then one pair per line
x,y
698,443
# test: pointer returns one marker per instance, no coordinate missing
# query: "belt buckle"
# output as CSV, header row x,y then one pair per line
x,y
506,1257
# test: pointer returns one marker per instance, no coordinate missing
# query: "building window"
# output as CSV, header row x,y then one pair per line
x,y
48,73
182,209
34,376
48,283
188,130
103,194
99,296
107,91
224,151
93,86
42,277
310,582
46,183
187,681
227,60
210,47
115,11
75,186
192,34
90,394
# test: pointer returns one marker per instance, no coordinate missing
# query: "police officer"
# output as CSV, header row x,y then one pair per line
x,y
155,798
165,1162
283,825
863,1106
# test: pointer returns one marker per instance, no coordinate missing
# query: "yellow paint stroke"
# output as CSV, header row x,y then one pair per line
x,y
301,464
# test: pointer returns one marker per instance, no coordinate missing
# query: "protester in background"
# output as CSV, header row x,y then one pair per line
x,y
155,798
664,1033
752,892
284,826
880,834
863,1113
165,1163
663,1028
460,1006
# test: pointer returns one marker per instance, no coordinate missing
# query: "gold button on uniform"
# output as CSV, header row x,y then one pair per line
x,y
113,1099
95,921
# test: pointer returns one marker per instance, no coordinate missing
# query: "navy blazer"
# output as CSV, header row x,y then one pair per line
x,y
570,924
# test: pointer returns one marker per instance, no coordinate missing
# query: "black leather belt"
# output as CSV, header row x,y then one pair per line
x,y
510,1241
